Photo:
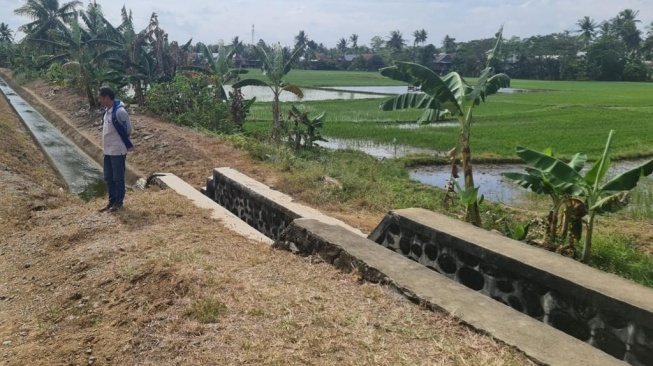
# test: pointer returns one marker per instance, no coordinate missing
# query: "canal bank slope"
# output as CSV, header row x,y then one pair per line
x,y
160,283
164,147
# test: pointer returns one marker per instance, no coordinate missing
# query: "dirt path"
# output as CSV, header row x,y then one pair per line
x,y
160,283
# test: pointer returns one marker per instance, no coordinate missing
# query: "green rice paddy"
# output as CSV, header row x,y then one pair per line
x,y
569,117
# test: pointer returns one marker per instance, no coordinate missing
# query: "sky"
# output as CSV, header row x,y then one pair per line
x,y
326,21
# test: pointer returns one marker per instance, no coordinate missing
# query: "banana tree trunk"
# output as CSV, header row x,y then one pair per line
x,y
276,128
588,239
473,214
139,93
90,96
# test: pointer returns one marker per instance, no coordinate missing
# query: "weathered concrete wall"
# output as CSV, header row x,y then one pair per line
x,y
350,252
265,209
607,312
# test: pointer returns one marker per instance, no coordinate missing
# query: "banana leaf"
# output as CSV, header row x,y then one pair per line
x,y
629,179
559,173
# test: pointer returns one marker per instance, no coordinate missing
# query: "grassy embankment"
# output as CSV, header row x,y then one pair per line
x,y
570,117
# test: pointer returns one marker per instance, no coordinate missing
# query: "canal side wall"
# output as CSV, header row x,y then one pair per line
x,y
601,309
372,262
555,309
68,129
263,208
61,180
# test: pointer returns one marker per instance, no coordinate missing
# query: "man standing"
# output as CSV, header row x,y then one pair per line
x,y
116,129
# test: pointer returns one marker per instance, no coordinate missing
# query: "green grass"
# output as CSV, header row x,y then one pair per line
x,y
570,117
207,310
371,185
619,255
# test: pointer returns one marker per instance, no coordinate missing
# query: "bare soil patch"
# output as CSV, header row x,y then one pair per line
x,y
160,283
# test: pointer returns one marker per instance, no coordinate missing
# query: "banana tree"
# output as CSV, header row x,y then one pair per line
x,y
451,93
76,55
218,68
546,183
597,197
304,128
275,68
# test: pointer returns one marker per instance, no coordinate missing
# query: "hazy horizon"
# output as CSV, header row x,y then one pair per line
x,y
328,21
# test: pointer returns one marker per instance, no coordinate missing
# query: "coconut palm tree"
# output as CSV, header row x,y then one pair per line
x,y
453,93
300,39
629,15
353,39
420,36
342,45
587,28
275,68
396,41
6,35
47,15
625,27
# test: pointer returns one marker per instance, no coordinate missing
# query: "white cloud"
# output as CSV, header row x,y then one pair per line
x,y
328,21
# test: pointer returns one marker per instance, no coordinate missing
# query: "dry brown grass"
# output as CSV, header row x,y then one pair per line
x,y
159,283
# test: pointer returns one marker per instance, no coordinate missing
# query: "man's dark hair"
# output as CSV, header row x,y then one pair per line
x,y
105,91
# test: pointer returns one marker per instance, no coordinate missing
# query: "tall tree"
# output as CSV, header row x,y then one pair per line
x,y
342,45
6,34
587,28
301,39
396,41
420,36
605,29
648,43
629,15
354,41
626,28
275,68
448,44
377,43
47,15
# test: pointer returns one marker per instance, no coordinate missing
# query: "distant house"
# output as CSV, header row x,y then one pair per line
x,y
348,57
442,63
320,57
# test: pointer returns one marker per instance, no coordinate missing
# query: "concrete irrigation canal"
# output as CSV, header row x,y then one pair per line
x,y
82,175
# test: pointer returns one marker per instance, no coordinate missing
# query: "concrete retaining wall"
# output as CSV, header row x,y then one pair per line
x,y
351,252
599,310
606,311
265,209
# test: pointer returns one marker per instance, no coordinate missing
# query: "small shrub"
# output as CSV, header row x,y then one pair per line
x,y
190,101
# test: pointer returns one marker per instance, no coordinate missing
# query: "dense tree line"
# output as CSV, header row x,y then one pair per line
x,y
79,47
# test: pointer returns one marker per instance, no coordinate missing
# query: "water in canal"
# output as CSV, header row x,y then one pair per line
x,y
82,175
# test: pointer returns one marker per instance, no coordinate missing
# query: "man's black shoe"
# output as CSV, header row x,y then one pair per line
x,y
106,208
114,208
